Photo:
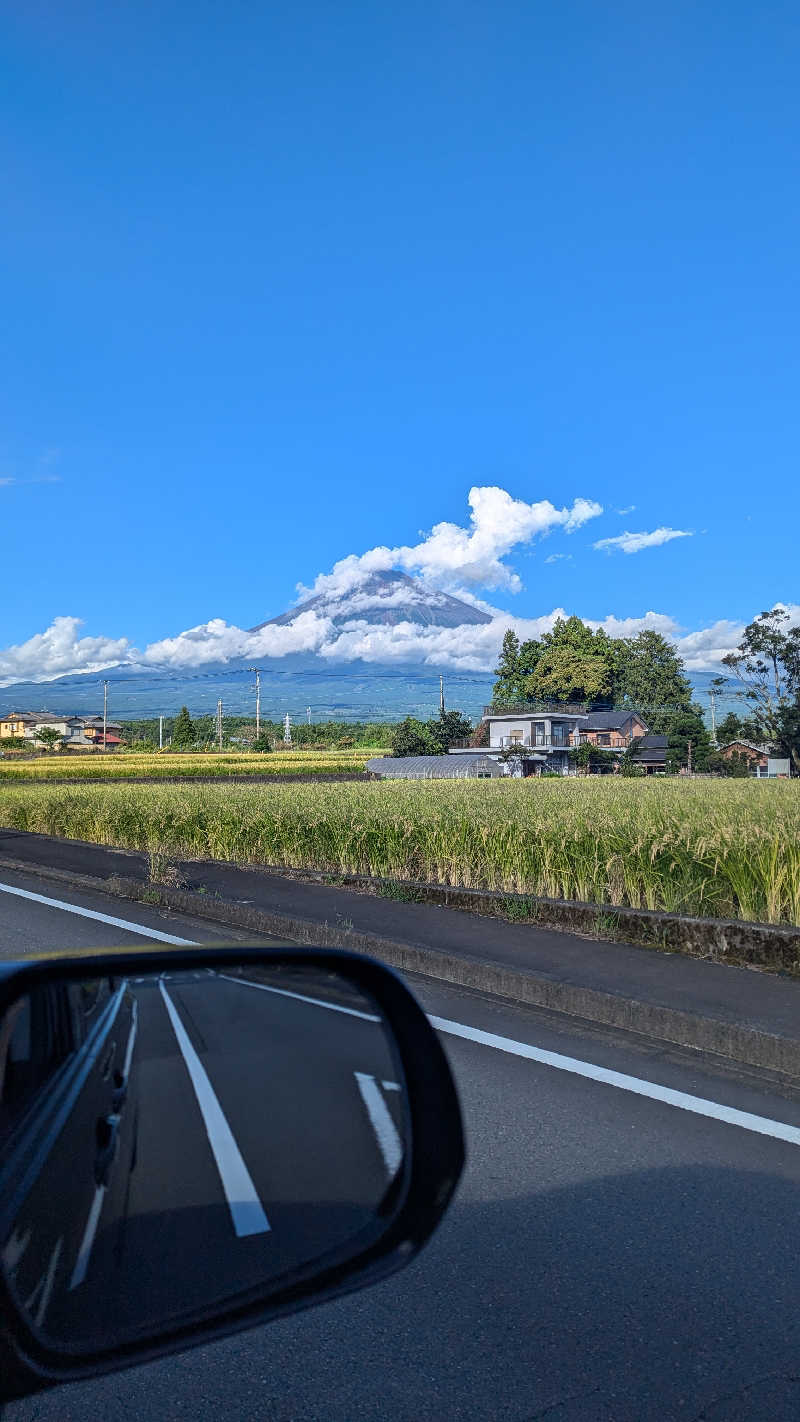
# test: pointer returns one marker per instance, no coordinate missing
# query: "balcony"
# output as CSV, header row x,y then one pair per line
x,y
545,743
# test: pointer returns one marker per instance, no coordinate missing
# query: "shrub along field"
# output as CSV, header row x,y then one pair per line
x,y
132,765
713,848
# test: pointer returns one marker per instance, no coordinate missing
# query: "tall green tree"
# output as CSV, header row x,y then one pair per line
x,y
767,663
183,730
49,737
507,686
649,677
685,727
575,663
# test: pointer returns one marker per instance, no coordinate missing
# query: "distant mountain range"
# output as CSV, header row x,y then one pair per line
x,y
340,690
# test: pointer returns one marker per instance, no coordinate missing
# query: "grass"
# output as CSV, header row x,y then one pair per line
x,y
190,765
726,849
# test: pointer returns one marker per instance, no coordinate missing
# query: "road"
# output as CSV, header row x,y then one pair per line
x,y
622,1246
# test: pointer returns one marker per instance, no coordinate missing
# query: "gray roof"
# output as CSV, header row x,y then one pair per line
x,y
437,767
610,720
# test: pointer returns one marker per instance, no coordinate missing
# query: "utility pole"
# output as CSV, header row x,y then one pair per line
x,y
287,730
257,671
308,715
441,696
105,714
219,725
689,759
161,733
713,697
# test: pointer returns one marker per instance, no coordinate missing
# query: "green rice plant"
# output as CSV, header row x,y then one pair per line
x,y
728,849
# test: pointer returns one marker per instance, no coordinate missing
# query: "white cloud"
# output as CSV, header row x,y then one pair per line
x,y
454,557
635,542
58,651
557,557
630,509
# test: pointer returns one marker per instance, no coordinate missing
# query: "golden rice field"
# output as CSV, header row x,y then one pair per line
x,y
150,765
713,848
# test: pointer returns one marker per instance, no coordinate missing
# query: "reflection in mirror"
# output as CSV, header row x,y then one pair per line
x,y
172,1143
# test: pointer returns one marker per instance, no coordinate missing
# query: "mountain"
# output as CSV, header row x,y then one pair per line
x,y
385,600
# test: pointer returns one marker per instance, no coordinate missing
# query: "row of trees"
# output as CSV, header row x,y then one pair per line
x,y
573,663
186,732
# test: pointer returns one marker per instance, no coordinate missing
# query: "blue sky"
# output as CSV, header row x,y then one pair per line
x,y
284,283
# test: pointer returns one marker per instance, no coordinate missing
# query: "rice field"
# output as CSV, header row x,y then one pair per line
x,y
726,849
149,765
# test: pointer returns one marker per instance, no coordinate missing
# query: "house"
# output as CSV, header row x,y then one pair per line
x,y
651,754
93,731
612,729
545,738
756,756
475,766
13,727
75,732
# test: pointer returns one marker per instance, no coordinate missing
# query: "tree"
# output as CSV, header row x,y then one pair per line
x,y
738,728
586,756
688,726
767,662
183,731
448,728
262,743
573,664
649,677
412,737
506,688
49,737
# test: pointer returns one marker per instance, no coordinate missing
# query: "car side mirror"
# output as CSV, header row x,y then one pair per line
x,y
194,1141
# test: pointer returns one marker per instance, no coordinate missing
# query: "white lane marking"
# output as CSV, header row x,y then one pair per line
x,y
125,923
247,1212
301,997
389,1142
762,1125
126,1066
82,1261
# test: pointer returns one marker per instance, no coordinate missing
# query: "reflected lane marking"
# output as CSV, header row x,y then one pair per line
x,y
82,1261
389,1142
761,1125
301,997
101,917
126,1066
247,1212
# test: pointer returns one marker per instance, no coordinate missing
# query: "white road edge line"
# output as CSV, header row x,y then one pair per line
x,y
125,923
762,1125
82,1261
301,997
389,1142
131,1040
247,1212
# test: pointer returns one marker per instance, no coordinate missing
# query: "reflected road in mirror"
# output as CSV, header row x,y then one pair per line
x,y
173,1142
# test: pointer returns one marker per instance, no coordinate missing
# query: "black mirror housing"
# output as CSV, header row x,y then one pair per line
x,y
392,1222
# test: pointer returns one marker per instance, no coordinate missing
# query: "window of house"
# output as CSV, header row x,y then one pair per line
x,y
604,739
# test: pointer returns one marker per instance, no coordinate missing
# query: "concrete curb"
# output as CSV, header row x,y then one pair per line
x,y
703,1032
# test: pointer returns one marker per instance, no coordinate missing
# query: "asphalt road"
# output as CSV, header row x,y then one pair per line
x,y
610,1255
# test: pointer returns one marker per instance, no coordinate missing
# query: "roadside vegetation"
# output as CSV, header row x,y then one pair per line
x,y
727,848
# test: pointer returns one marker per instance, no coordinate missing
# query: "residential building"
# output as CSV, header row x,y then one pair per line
x,y
756,756
651,754
75,732
612,729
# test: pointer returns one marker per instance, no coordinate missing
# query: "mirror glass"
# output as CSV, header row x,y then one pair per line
x,y
171,1143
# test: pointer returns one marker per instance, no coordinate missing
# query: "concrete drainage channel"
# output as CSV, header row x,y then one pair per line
x,y
734,1026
